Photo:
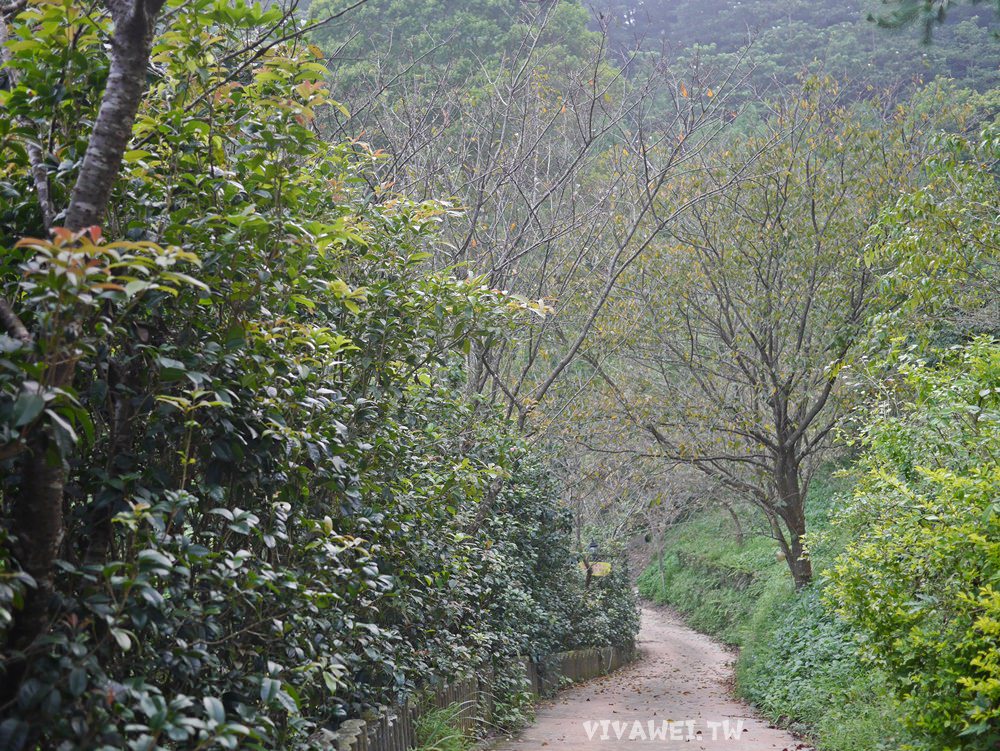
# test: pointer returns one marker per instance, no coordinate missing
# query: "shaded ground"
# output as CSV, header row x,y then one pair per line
x,y
676,696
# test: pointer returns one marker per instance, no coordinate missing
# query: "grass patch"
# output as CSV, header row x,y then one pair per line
x,y
439,730
798,663
713,581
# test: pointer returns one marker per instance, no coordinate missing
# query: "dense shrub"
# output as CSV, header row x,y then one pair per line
x,y
282,508
919,583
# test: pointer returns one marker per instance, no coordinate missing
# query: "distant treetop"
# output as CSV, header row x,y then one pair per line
x,y
928,13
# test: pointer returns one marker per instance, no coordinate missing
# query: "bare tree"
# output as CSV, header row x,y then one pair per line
x,y
561,173
750,311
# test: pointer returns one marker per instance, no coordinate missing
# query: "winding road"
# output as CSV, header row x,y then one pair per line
x,y
676,696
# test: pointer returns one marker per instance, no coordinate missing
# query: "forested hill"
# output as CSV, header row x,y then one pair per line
x,y
793,34
788,37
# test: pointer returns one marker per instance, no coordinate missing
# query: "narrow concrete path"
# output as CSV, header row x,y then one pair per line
x,y
676,696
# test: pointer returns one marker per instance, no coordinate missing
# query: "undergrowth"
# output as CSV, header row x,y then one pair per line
x,y
440,730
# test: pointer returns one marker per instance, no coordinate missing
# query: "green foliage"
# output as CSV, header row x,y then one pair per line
x,y
439,730
283,508
940,243
61,73
919,582
926,13
513,710
832,37
453,41
800,666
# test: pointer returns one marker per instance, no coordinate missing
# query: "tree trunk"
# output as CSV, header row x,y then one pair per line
x,y
791,509
130,49
662,566
38,521
736,523
798,562
802,573
38,505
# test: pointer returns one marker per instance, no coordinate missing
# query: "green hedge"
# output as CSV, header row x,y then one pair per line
x,y
282,505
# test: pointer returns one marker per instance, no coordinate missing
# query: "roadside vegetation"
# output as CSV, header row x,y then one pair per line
x,y
895,641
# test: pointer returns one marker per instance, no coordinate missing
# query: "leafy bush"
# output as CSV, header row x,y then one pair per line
x,y
919,582
282,506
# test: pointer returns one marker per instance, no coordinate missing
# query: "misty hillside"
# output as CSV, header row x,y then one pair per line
x,y
792,34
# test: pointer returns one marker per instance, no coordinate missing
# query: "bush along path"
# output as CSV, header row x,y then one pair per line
x,y
245,493
677,695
